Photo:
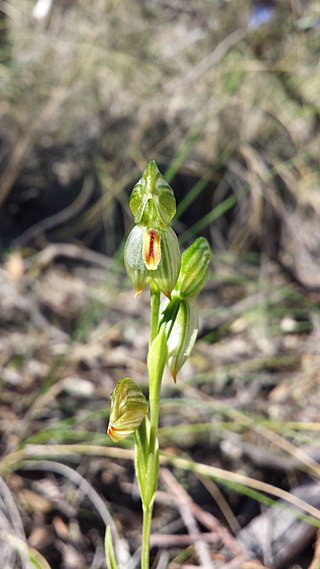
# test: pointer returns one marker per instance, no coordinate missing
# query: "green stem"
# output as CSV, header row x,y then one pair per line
x,y
155,367
157,358
145,554
155,306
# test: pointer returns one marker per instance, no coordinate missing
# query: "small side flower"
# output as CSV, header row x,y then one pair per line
x,y
128,408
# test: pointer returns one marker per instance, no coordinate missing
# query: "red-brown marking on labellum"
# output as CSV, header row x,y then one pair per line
x,y
110,431
151,249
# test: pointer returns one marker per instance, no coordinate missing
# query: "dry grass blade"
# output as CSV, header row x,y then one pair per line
x,y
30,558
69,251
121,546
185,507
315,563
308,464
59,218
216,530
36,452
220,474
276,536
13,541
213,58
23,146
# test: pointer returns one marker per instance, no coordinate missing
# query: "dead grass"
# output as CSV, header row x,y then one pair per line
x,y
244,412
104,89
87,96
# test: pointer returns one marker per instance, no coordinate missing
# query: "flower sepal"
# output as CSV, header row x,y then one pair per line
x,y
152,200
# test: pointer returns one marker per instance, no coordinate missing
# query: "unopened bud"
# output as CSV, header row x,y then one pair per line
x,y
128,408
194,269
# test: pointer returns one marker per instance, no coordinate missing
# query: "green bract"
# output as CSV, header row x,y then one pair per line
x,y
152,256
194,269
152,201
127,409
183,334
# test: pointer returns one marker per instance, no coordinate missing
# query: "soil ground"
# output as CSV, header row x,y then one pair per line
x,y
247,401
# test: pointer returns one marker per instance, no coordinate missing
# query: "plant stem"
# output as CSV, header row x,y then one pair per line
x,y
145,554
154,305
151,473
154,377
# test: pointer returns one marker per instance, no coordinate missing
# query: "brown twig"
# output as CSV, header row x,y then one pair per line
x,y
185,503
70,251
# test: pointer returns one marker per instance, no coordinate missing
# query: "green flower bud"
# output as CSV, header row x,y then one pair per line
x,y
152,256
152,201
127,409
194,269
183,335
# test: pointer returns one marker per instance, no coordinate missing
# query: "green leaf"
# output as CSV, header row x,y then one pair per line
x,y
141,436
109,550
146,465
152,476
169,311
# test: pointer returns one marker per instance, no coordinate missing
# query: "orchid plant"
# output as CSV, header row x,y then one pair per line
x,y
152,259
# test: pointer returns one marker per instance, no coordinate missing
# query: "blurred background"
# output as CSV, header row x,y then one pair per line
x,y
225,96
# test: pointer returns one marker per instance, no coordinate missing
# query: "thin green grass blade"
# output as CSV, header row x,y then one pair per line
x,y
109,550
309,514
188,144
37,560
213,215
191,196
